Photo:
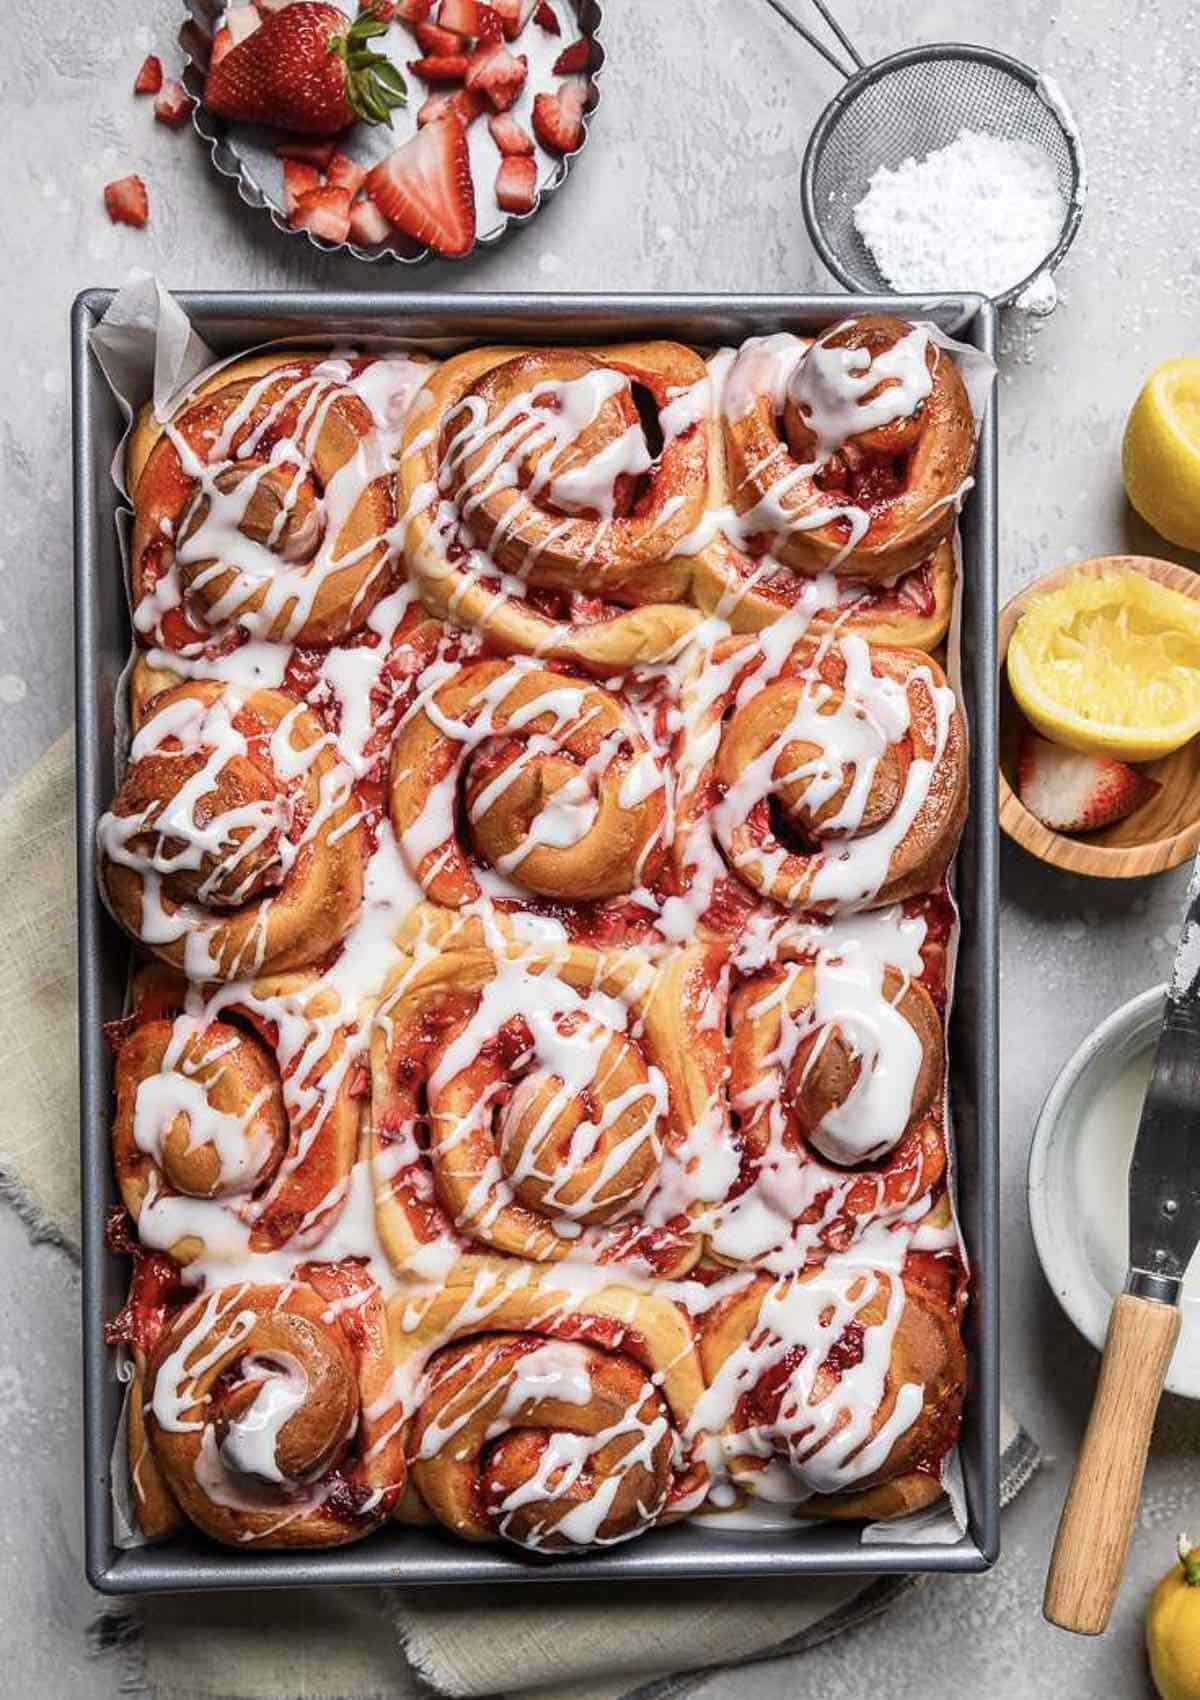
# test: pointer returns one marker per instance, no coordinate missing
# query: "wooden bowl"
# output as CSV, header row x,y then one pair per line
x,y
1164,831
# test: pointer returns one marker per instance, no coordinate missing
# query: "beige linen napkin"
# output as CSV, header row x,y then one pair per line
x,y
592,1642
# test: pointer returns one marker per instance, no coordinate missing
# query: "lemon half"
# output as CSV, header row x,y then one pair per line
x,y
1110,663
1161,453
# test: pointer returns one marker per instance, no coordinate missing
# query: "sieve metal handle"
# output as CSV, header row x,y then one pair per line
x,y
826,52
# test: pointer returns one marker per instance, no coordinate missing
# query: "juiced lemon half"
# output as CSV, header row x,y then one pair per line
x,y
1161,453
1110,663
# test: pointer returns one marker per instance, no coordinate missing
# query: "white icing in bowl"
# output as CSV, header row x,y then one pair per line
x,y
1078,1170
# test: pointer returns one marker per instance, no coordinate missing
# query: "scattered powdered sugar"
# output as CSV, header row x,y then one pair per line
x,y
981,213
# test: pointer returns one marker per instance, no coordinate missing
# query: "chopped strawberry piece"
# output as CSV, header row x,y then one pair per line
x,y
547,18
499,74
509,136
572,58
298,180
514,15
516,183
425,187
173,105
460,15
471,18
413,11
150,78
433,40
558,118
346,173
368,227
325,211
222,43
242,21
309,153
127,202
384,10
440,68
465,103
1072,792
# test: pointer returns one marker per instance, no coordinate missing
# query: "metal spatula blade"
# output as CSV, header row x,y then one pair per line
x,y
1164,1175
1164,1227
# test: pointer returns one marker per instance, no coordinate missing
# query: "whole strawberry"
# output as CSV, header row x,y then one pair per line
x,y
307,69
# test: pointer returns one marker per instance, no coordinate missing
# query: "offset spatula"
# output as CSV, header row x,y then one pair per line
x,y
1164,1225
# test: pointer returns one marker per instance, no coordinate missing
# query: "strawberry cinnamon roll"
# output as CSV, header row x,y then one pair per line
x,y
264,507
237,1118
270,1414
832,776
549,1105
526,782
545,494
546,1416
234,846
835,1085
847,454
836,1391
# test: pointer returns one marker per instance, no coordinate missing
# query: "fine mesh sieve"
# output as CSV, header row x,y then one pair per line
x,y
904,107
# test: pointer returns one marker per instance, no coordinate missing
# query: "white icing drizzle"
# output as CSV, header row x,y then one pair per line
x,y
250,1440
224,488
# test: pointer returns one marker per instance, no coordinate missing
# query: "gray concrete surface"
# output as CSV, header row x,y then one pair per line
x,y
692,181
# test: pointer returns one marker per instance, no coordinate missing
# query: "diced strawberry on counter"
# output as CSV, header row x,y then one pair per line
x,y
127,202
150,76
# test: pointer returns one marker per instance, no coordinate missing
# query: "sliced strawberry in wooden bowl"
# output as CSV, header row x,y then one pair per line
x,y
441,122
1072,792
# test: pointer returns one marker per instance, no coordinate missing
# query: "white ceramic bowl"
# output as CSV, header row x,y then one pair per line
x,y
1078,1173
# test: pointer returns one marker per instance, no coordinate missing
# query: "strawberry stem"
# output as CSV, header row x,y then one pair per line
x,y
374,87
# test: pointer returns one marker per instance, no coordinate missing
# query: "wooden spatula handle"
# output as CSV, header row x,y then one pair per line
x,y
1097,1518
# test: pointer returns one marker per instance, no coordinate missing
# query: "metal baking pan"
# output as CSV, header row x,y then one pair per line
x,y
425,1556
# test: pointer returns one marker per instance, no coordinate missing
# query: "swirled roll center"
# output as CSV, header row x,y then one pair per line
x,y
286,1410
583,1151
275,504
212,1111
